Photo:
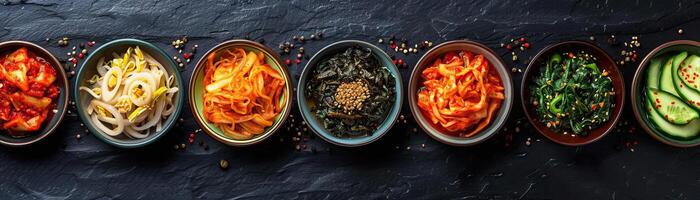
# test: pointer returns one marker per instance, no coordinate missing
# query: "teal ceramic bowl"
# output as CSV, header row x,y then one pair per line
x,y
88,69
196,92
310,118
55,116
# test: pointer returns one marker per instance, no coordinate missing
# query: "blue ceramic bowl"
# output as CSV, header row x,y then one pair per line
x,y
88,69
317,127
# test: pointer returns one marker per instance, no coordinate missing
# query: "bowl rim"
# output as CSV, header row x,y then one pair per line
x,y
270,130
62,108
391,117
169,123
637,80
415,77
615,69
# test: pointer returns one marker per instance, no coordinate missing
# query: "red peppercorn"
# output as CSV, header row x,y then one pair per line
x,y
81,55
191,135
395,61
73,60
288,62
526,45
186,55
191,140
509,47
297,61
400,62
522,39
392,46
571,55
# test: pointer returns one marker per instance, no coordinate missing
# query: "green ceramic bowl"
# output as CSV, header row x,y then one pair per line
x,y
88,69
310,118
638,87
54,118
196,92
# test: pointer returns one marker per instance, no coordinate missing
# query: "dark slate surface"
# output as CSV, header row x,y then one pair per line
x,y
396,167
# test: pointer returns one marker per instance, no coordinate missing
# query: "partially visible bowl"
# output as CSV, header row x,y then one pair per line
x,y
604,61
498,120
53,119
638,85
88,69
196,92
318,127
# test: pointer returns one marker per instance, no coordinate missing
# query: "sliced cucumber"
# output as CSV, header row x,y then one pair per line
x,y
653,71
684,131
671,107
666,80
690,96
689,72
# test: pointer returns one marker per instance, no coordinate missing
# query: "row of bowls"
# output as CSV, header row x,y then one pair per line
x,y
274,60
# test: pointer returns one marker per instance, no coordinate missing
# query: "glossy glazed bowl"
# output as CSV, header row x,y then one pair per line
x,y
53,119
196,91
638,86
415,85
317,126
604,61
88,69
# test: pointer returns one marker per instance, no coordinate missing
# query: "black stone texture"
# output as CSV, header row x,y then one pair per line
x,y
403,164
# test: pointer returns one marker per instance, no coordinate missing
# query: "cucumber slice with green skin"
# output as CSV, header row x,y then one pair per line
x,y
690,96
683,131
689,72
671,107
653,71
666,80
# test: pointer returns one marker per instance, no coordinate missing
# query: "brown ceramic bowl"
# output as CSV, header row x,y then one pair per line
x,y
53,119
638,87
497,121
604,61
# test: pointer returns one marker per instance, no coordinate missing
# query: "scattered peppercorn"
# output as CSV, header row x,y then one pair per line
x,y
223,164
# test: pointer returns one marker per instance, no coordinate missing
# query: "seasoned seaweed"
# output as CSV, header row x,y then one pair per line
x,y
364,87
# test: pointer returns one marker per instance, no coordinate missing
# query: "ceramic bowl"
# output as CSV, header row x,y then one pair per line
x,y
604,61
317,126
416,83
196,92
638,87
54,118
88,69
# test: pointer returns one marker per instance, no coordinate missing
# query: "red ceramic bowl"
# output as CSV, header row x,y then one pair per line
x,y
604,61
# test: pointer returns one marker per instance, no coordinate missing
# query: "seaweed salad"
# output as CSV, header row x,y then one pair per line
x,y
350,92
572,94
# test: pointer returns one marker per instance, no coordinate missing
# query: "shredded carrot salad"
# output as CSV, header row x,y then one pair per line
x,y
243,95
460,93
